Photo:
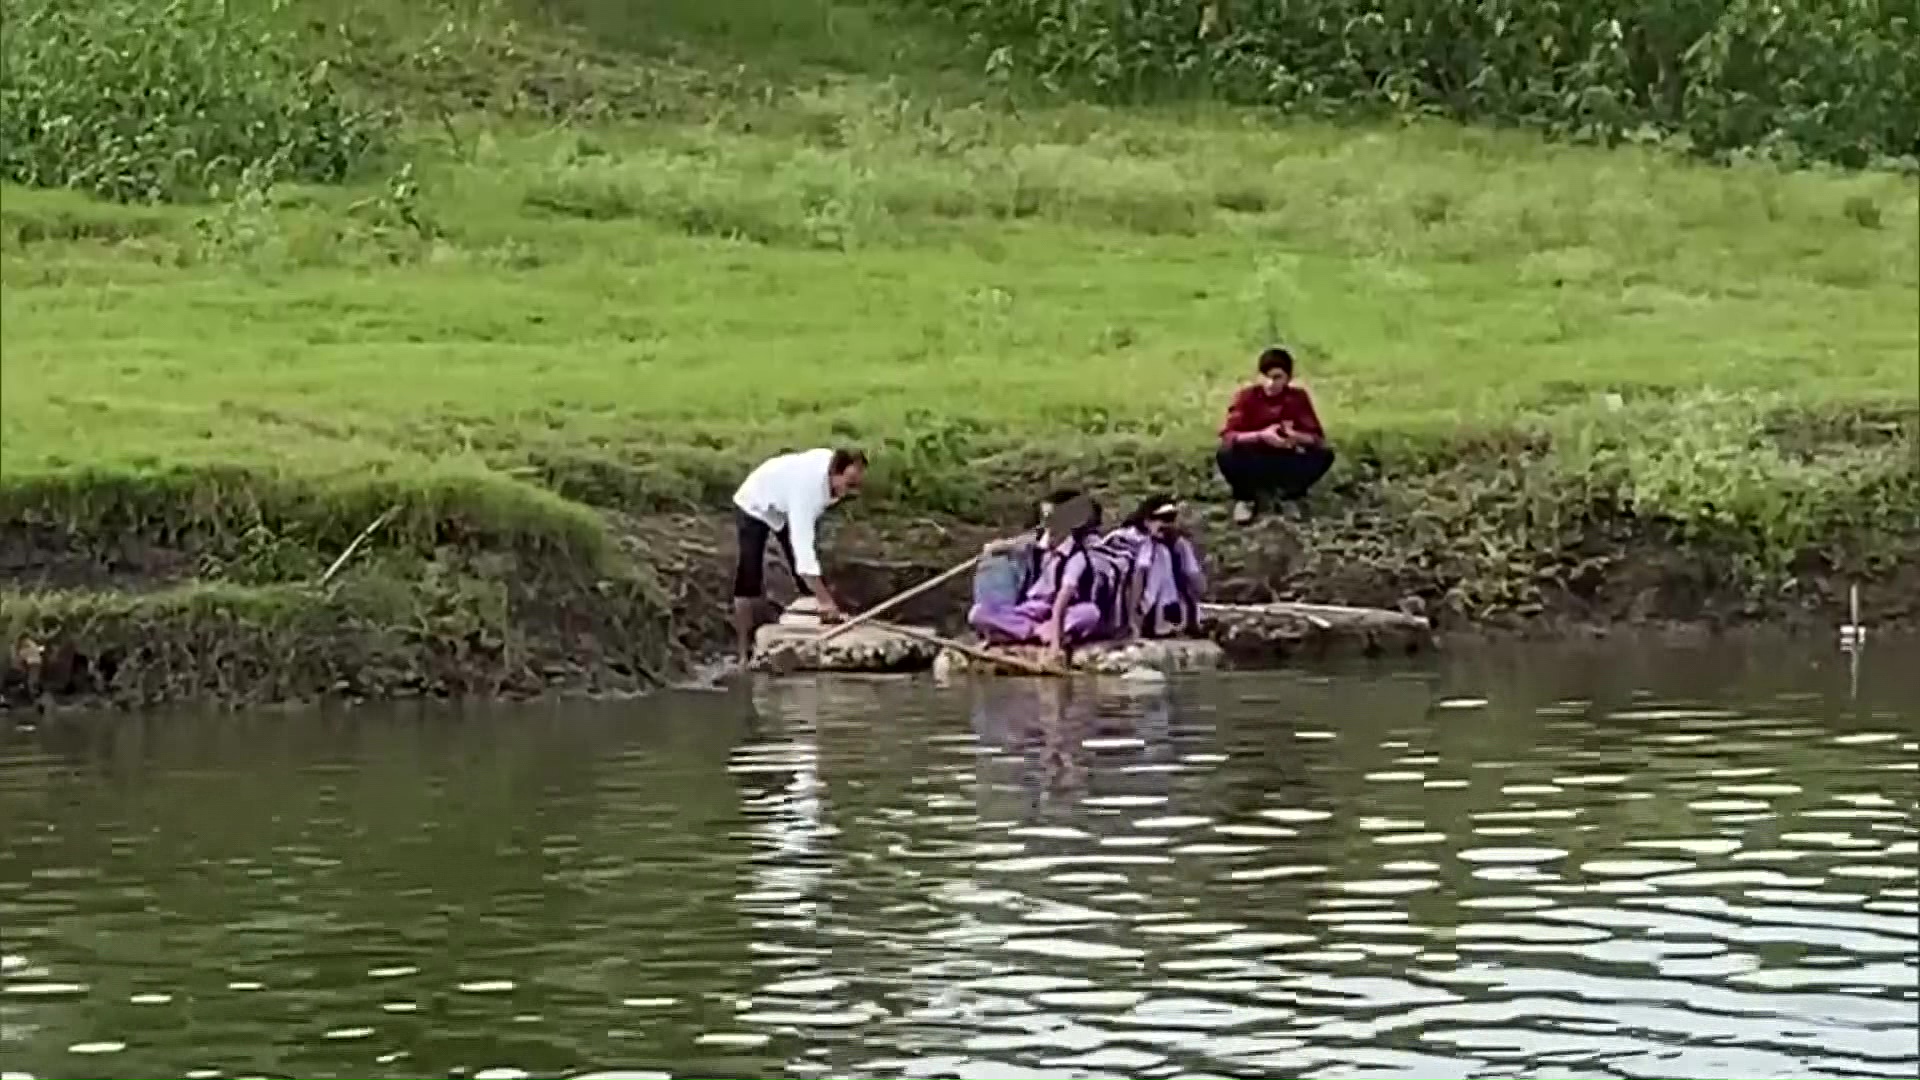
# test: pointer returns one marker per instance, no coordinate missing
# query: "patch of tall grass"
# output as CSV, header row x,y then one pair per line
x,y
155,100
855,167
1831,80
149,100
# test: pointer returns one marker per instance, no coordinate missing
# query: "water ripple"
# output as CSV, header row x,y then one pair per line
x,y
1617,870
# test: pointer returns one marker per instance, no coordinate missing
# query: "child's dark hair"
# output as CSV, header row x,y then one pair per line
x,y
1138,519
1054,498
1276,359
846,457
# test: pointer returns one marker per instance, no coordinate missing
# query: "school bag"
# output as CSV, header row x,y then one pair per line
x,y
1002,578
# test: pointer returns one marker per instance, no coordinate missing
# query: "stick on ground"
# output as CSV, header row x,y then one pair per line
x,y
357,541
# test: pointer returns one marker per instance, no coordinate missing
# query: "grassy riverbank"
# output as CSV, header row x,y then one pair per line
x,y
590,281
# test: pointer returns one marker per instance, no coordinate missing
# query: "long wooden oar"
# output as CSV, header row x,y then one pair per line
x,y
885,606
1061,519
786,656
976,652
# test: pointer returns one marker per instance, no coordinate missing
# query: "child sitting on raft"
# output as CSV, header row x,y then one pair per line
x,y
1057,601
1165,579
1007,566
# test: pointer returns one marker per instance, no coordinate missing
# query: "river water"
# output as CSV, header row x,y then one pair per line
x,y
1571,861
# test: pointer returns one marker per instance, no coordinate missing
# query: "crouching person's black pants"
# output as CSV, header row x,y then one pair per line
x,y
1254,472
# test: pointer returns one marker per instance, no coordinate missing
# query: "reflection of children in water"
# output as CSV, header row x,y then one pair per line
x,y
1048,725
1037,722
1060,734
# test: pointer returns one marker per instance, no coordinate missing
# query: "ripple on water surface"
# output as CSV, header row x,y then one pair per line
x,y
1351,874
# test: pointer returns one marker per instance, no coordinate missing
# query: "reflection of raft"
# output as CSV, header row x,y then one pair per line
x,y
1251,635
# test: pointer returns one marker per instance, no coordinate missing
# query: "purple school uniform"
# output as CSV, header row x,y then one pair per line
x,y
1162,569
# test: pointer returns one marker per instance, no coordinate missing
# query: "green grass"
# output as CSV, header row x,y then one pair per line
x,y
944,280
800,246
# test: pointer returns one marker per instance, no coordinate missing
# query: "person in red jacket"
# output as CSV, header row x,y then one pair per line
x,y
1272,444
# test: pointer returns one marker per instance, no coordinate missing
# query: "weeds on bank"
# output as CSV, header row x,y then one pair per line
x,y
266,524
232,642
1725,473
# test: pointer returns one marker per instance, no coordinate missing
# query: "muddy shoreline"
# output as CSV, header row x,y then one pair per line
x,y
129,624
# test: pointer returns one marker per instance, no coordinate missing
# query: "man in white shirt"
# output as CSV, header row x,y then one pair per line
x,y
784,498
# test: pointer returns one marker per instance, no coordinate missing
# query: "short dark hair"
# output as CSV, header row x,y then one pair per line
x,y
1148,508
1275,359
846,457
1062,496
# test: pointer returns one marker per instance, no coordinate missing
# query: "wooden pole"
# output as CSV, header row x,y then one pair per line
x,y
885,606
1072,514
1059,519
983,655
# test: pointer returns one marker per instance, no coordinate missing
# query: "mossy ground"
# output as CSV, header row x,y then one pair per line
x,y
607,267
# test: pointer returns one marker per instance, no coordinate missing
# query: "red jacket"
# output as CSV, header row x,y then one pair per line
x,y
1254,409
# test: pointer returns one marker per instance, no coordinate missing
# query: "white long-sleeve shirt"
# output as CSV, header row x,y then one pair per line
x,y
790,491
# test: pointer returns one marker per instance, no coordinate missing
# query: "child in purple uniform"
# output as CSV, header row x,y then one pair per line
x,y
1059,599
1166,580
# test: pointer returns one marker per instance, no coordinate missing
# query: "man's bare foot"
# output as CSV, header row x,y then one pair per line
x,y
1242,513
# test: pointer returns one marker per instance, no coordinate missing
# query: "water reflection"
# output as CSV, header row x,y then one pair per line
x,y
1623,864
